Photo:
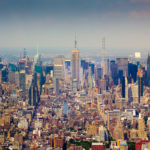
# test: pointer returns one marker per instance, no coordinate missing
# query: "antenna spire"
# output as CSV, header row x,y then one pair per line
x,y
75,42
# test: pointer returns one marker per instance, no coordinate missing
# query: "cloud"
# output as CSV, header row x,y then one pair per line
x,y
139,14
140,1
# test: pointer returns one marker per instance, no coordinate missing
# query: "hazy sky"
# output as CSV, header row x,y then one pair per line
x,y
52,23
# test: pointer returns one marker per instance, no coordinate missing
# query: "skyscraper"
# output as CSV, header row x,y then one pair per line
x,y
34,92
122,64
140,75
148,70
125,87
59,74
22,81
59,67
75,63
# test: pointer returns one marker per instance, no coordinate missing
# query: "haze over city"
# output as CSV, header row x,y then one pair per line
x,y
52,23
74,75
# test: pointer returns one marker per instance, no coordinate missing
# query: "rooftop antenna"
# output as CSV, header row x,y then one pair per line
x,y
75,42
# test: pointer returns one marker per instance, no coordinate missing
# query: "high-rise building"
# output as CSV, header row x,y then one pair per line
x,y
59,72
11,77
4,74
113,70
148,70
0,76
75,63
59,67
122,64
140,75
132,71
22,81
125,87
33,95
67,64
34,92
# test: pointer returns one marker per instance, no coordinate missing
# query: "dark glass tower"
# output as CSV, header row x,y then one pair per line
x,y
123,87
148,71
140,88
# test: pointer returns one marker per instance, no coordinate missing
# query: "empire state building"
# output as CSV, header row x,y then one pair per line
x,y
75,63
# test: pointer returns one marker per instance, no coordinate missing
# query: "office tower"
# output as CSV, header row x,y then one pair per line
x,y
148,71
132,71
38,69
114,72
75,63
33,99
34,92
11,77
124,87
140,75
92,65
34,96
22,81
21,65
0,76
133,92
12,67
140,87
84,65
4,74
122,65
59,67
56,87
67,64
102,85
99,72
59,74
12,73
49,69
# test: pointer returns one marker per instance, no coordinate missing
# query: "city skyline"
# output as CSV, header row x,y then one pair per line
x,y
75,74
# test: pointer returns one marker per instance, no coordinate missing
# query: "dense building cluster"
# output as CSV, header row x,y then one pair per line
x,y
75,103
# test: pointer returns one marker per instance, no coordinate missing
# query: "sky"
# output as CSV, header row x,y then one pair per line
x,y
125,24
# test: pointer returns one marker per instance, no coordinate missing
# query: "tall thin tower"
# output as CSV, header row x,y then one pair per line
x,y
75,62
